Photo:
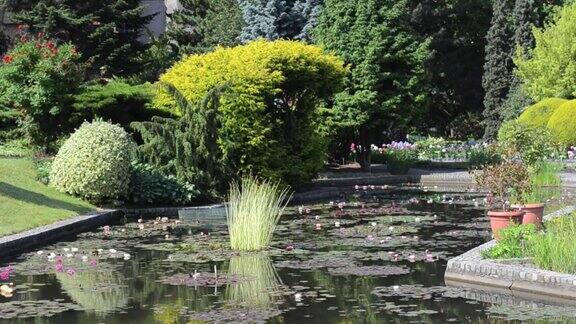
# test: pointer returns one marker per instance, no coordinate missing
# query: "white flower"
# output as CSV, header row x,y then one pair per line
x,y
74,249
40,252
69,255
373,224
337,224
66,249
298,297
126,256
84,258
113,251
396,288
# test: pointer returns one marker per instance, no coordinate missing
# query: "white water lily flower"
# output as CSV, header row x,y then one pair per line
x,y
84,258
74,249
298,297
126,256
69,255
113,251
373,224
40,252
66,249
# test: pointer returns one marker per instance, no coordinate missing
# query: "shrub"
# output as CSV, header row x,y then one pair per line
x,y
37,78
563,123
399,161
550,70
253,212
94,163
268,116
150,187
117,102
43,165
482,156
539,114
512,242
531,143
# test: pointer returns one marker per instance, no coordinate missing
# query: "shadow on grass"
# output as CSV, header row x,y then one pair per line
x,y
38,199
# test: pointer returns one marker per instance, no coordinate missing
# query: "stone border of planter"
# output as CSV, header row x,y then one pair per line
x,y
17,243
470,270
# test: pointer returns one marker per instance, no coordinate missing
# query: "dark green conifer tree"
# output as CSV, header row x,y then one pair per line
x,y
106,32
498,66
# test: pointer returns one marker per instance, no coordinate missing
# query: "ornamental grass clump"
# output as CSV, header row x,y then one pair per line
x,y
253,211
555,249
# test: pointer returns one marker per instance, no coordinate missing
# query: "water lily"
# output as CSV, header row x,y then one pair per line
x,y
40,252
298,297
71,272
74,249
126,256
113,251
84,258
337,224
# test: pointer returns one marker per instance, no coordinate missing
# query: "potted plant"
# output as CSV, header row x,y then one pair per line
x,y
530,204
503,180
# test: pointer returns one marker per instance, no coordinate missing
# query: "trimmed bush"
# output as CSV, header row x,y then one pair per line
x,y
562,124
267,119
94,163
117,102
539,114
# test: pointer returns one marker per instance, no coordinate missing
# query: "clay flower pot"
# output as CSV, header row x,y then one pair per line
x,y
502,219
533,214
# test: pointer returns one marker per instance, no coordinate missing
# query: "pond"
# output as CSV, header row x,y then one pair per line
x,y
373,256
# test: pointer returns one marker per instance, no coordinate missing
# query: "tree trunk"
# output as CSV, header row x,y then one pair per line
x,y
364,158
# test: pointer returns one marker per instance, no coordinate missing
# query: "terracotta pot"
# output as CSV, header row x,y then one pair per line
x,y
502,219
533,214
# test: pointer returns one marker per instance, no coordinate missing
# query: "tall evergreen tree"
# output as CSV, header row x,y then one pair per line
x,y
525,19
386,89
457,29
498,66
203,24
275,19
106,32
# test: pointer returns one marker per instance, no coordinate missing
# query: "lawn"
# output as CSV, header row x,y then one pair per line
x,y
26,203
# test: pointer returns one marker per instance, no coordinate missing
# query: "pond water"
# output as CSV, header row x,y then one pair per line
x,y
374,256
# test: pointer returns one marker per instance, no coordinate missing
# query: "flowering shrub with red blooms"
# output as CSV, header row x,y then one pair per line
x,y
38,78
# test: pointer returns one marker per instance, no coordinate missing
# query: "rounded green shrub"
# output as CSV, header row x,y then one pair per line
x,y
562,124
539,114
94,163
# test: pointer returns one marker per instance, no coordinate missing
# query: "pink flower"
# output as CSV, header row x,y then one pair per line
x,y
71,272
5,272
59,267
353,147
93,262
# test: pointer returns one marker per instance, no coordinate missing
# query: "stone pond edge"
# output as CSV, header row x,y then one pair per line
x,y
470,270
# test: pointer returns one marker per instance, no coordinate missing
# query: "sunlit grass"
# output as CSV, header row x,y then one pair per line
x,y
555,249
253,212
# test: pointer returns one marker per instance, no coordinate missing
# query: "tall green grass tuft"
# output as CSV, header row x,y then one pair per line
x,y
547,174
253,211
555,249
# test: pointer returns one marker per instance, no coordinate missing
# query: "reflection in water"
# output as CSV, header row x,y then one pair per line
x,y
96,291
262,285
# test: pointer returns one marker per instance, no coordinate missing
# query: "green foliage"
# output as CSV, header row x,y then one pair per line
x,y
201,25
480,156
149,187
94,163
555,249
37,78
106,32
457,29
512,242
550,70
386,89
267,118
43,165
117,102
532,144
400,161
253,211
505,180
539,114
15,148
498,67
563,122
187,147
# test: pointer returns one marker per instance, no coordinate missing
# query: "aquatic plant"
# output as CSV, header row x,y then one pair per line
x,y
253,212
